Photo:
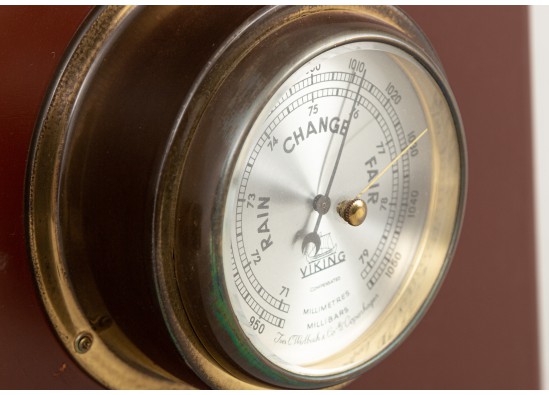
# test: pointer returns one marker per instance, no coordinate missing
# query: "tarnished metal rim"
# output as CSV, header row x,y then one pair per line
x,y
43,174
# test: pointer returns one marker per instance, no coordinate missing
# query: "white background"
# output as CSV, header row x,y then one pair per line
x,y
539,54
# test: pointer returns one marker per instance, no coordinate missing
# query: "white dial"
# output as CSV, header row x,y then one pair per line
x,y
303,283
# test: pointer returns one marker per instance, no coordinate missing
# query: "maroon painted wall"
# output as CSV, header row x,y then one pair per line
x,y
32,42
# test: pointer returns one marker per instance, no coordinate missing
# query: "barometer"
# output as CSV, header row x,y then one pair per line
x,y
243,197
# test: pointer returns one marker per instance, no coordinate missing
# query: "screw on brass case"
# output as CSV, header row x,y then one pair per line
x,y
83,342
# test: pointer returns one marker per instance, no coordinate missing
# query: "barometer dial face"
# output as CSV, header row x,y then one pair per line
x,y
303,283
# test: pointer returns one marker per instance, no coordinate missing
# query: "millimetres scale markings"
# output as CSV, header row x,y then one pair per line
x,y
335,76
252,303
381,264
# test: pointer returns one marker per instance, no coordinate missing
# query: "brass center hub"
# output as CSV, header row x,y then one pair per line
x,y
353,211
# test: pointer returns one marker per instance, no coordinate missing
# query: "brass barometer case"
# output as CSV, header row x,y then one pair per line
x,y
243,197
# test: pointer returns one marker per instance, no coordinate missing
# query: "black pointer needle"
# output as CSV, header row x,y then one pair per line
x,y
313,237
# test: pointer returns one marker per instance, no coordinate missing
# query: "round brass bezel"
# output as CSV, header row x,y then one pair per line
x,y
195,208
